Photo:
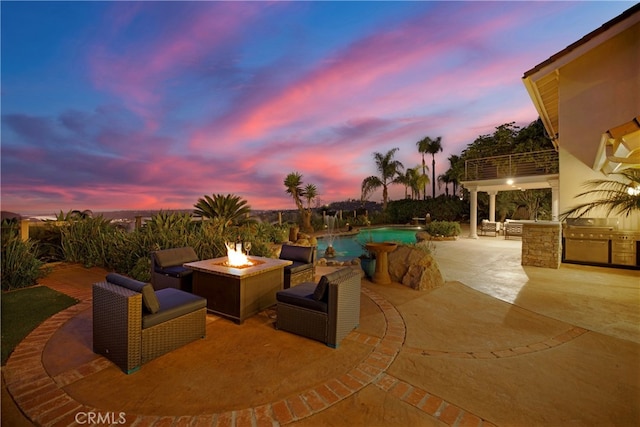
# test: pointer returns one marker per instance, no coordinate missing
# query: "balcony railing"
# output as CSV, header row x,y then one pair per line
x,y
512,165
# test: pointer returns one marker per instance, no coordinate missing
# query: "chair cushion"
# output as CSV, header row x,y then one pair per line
x,y
303,254
173,303
149,299
175,271
175,256
320,293
302,296
297,267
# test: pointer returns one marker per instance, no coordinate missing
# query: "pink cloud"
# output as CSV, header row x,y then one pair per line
x,y
140,72
363,80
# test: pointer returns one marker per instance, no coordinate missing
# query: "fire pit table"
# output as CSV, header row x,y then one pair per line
x,y
238,292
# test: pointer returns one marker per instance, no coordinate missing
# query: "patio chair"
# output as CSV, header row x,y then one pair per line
x,y
326,311
303,267
133,324
489,227
167,269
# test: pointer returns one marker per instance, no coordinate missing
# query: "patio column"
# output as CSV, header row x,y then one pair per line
x,y
492,206
473,215
555,198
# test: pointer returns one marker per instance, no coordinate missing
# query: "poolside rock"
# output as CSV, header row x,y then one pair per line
x,y
414,267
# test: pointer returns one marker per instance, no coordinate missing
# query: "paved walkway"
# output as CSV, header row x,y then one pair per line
x,y
452,356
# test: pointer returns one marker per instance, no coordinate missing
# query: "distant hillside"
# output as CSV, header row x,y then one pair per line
x,y
9,215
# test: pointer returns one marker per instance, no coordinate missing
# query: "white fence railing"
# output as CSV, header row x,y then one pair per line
x,y
512,165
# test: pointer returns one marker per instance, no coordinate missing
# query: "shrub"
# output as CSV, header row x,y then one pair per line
x,y
443,228
20,266
48,238
442,208
96,242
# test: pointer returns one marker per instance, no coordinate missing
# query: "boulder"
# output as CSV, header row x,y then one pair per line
x,y
414,267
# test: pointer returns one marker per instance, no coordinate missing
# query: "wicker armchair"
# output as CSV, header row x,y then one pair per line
x,y
167,270
303,268
132,324
326,311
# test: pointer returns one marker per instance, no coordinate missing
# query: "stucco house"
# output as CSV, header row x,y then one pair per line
x,y
588,97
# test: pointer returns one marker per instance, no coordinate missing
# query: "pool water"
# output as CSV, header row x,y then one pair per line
x,y
349,247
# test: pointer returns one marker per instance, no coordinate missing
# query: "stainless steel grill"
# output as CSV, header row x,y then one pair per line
x,y
598,241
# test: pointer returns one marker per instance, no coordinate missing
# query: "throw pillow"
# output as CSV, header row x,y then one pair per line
x,y
149,299
321,289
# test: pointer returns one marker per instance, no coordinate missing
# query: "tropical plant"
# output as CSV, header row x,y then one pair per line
x,y
20,265
536,202
414,181
310,193
430,146
621,197
168,220
74,215
88,241
423,146
224,210
389,170
455,172
10,227
446,180
293,183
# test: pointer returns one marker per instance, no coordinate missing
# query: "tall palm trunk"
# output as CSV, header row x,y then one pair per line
x,y
433,175
424,172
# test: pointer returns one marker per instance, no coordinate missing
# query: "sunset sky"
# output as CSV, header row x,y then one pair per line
x,y
151,105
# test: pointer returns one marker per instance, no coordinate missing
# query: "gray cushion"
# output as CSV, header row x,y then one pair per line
x,y
175,256
149,300
302,254
320,292
175,271
302,296
173,303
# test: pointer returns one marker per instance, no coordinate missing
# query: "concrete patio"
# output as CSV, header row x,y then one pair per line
x,y
499,344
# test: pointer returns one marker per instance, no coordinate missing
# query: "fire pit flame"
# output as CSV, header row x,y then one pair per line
x,y
237,258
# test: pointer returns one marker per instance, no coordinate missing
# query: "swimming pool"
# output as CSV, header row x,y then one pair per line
x,y
349,247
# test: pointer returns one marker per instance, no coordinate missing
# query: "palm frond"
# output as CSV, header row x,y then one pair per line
x,y
613,196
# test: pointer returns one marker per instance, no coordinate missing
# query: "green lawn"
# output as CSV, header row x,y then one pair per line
x,y
24,309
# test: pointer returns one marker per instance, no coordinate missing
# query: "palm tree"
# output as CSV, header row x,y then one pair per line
x,y
446,180
225,210
455,172
617,197
411,180
293,182
310,193
389,169
434,146
423,146
431,146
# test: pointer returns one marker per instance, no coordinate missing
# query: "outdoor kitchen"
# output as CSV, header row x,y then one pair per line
x,y
598,241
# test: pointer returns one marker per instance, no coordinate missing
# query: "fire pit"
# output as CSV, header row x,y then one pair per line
x,y
238,291
250,263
